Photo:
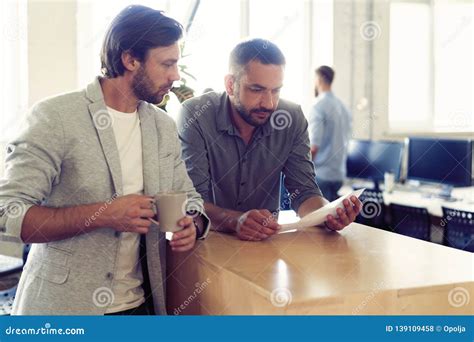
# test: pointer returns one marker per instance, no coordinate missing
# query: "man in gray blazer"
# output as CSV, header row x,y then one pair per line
x,y
79,181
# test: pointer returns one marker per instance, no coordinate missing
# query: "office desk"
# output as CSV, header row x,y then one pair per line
x,y
360,270
433,205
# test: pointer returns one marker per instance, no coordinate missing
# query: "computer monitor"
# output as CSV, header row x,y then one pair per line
x,y
442,161
370,160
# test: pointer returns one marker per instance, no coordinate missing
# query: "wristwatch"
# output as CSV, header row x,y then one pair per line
x,y
202,230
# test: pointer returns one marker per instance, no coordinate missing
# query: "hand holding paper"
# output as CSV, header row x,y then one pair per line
x,y
333,210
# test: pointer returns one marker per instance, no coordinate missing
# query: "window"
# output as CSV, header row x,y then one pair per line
x,y
454,72
217,27
303,31
93,19
284,25
207,44
13,58
214,32
431,66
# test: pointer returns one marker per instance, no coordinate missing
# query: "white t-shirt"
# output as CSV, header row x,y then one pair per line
x,y
128,278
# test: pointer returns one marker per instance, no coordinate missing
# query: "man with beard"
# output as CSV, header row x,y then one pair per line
x,y
237,144
81,177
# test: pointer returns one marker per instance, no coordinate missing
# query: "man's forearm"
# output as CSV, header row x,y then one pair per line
x,y
43,224
223,220
311,204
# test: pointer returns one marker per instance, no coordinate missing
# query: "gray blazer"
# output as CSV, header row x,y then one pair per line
x,y
67,156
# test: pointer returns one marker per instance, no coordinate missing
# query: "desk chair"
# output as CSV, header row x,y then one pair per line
x,y
458,229
410,221
373,209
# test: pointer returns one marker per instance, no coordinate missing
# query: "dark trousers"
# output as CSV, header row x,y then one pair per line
x,y
329,189
142,310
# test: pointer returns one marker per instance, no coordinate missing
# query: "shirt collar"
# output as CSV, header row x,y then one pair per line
x,y
224,123
326,93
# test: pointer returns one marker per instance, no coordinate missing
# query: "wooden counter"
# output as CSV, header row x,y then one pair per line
x,y
360,270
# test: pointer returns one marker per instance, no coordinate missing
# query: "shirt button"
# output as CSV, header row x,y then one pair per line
x,y
242,183
117,234
239,203
3,229
109,275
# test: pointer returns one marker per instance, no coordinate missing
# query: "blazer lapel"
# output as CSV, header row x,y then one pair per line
x,y
103,123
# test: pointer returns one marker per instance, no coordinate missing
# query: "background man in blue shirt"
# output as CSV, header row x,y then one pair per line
x,y
330,125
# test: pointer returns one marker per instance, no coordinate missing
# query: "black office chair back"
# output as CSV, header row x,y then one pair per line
x,y
410,221
458,229
373,209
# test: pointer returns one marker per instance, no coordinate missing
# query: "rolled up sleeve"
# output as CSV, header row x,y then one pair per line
x,y
32,168
299,169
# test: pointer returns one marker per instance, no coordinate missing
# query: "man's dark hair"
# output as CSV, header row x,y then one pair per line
x,y
326,73
256,49
136,29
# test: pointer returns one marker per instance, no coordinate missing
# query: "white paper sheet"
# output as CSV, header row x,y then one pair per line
x,y
318,217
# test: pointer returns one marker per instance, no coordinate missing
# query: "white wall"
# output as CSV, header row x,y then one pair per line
x,y
361,64
51,48
362,67
52,62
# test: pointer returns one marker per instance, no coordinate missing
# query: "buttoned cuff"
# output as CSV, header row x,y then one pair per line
x,y
11,220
